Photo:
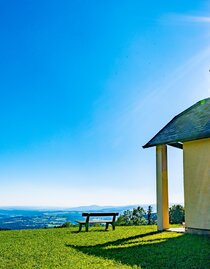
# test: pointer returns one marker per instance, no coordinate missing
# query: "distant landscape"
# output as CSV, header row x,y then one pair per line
x,y
19,218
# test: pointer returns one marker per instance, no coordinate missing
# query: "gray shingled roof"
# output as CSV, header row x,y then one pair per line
x,y
191,124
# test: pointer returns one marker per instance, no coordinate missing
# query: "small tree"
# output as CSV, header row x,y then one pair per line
x,y
176,214
149,214
151,217
124,219
138,216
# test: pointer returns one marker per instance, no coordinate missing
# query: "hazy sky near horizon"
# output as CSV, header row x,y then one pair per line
x,y
83,85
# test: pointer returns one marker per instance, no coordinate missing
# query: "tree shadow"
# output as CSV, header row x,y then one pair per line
x,y
154,250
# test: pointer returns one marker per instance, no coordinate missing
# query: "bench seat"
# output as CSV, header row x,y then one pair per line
x,y
94,221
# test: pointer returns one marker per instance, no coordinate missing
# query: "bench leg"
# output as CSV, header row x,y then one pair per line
x,y
86,226
80,227
107,225
113,226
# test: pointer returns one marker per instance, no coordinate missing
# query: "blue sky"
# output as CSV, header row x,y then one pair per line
x,y
83,85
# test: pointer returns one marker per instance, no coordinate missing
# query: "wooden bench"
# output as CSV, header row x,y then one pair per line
x,y
97,214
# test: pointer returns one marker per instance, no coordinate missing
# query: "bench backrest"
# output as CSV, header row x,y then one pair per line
x,y
98,214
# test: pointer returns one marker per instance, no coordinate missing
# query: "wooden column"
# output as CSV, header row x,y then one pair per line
x,y
162,188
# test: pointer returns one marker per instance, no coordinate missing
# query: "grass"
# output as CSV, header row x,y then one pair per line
x,y
126,247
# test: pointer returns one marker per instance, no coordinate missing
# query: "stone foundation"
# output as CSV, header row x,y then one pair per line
x,y
197,231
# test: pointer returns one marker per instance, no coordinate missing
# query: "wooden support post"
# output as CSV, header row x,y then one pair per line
x,y
162,188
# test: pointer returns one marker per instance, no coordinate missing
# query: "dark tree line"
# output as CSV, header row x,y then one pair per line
x,y
138,216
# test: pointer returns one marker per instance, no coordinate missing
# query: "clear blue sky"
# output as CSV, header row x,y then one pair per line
x,y
83,85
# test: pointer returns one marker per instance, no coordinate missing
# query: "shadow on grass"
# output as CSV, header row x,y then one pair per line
x,y
155,250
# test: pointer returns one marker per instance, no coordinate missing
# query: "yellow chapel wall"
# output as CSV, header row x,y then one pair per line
x,y
197,183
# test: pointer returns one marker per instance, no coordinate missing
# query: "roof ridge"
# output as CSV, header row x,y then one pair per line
x,y
201,102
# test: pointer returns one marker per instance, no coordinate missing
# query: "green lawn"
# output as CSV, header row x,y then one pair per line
x,y
126,247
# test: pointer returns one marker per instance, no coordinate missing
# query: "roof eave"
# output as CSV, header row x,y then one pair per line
x,y
174,143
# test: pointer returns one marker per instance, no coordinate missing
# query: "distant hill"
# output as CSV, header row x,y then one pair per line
x,y
79,208
106,208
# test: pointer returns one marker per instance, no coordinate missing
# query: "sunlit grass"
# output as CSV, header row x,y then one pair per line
x,y
126,247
